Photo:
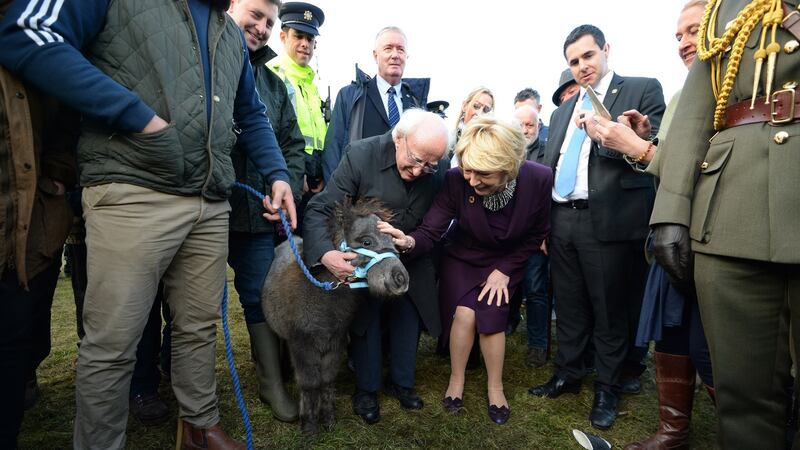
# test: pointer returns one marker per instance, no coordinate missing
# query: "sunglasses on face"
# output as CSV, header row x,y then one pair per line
x,y
479,107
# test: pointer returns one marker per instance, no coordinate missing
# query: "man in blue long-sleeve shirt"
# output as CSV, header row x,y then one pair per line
x,y
165,89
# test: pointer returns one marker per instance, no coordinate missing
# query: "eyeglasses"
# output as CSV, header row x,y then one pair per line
x,y
426,166
479,107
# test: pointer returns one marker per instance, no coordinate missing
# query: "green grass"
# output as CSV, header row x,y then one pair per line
x,y
535,423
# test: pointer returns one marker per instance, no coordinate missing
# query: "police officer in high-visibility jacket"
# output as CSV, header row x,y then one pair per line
x,y
299,30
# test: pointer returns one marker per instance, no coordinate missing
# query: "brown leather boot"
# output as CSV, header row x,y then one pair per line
x,y
675,384
212,438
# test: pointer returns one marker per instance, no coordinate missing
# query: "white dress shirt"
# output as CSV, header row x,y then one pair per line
x,y
384,86
581,191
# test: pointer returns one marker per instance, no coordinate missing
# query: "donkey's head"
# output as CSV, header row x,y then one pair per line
x,y
356,225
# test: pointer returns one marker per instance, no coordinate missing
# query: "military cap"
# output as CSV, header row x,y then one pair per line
x,y
566,80
301,16
438,107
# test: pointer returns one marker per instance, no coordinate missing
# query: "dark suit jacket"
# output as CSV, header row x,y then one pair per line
x,y
620,199
369,170
376,121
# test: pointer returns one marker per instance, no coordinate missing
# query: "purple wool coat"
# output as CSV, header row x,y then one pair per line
x,y
478,244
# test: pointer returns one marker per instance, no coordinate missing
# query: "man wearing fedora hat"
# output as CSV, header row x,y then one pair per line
x,y
567,87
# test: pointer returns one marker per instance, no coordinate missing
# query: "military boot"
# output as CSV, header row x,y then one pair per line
x,y
675,384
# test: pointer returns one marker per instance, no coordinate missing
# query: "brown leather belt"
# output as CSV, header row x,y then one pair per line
x,y
791,20
784,107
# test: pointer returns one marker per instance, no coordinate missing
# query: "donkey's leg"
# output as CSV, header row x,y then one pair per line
x,y
307,371
331,361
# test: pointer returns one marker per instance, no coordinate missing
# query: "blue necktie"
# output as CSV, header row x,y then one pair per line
x,y
394,113
565,183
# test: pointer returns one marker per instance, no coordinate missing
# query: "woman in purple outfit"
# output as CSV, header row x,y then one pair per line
x,y
501,208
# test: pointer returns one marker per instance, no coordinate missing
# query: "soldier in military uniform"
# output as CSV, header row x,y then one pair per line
x,y
729,191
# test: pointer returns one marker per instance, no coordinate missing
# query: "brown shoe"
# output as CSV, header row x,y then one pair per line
x,y
212,438
675,385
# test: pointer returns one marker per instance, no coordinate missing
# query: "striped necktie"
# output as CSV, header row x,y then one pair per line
x,y
394,112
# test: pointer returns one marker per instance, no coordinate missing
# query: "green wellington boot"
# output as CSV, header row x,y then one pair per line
x,y
265,346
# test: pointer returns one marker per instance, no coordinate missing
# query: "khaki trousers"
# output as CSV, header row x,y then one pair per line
x,y
746,307
135,237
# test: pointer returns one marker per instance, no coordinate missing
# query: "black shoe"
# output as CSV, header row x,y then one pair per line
x,y
499,414
149,409
452,405
555,387
630,386
31,393
408,397
365,405
604,410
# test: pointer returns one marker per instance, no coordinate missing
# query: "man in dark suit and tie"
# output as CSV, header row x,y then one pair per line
x,y
372,106
601,208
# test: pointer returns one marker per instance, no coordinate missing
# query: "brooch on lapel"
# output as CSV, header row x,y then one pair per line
x,y
471,199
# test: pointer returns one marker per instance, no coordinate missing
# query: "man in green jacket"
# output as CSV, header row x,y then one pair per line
x,y
165,89
251,242
729,192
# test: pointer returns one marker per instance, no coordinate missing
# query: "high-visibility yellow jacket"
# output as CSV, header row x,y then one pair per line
x,y
305,98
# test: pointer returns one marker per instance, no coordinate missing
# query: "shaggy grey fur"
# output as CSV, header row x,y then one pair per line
x,y
314,322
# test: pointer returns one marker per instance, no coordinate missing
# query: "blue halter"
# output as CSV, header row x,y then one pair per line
x,y
360,272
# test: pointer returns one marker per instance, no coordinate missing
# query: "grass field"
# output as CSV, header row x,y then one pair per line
x,y
535,423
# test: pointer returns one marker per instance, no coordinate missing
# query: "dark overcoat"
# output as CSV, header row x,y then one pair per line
x,y
369,170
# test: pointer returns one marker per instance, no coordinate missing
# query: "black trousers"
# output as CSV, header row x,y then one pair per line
x,y
24,342
405,326
599,287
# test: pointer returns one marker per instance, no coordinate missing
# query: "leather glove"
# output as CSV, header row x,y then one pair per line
x,y
673,252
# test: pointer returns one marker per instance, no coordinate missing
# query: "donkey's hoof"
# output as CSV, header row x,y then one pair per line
x,y
308,427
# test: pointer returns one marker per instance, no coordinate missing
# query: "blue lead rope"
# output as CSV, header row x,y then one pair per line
x,y
237,388
327,285
358,273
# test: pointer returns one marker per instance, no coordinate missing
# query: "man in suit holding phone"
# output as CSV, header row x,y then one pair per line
x,y
600,217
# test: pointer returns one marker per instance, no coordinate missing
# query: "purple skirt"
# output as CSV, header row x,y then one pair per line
x,y
460,285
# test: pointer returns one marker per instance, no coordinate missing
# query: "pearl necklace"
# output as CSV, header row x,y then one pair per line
x,y
498,200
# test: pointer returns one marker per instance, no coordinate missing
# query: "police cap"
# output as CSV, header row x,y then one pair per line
x,y
301,16
438,107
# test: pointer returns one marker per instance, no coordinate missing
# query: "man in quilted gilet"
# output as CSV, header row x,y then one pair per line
x,y
162,86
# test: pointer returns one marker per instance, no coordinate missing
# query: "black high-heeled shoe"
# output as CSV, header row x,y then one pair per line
x,y
453,405
499,414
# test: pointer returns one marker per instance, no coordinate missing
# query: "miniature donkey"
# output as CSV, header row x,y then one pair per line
x,y
314,322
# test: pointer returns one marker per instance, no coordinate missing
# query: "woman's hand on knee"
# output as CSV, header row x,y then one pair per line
x,y
496,286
